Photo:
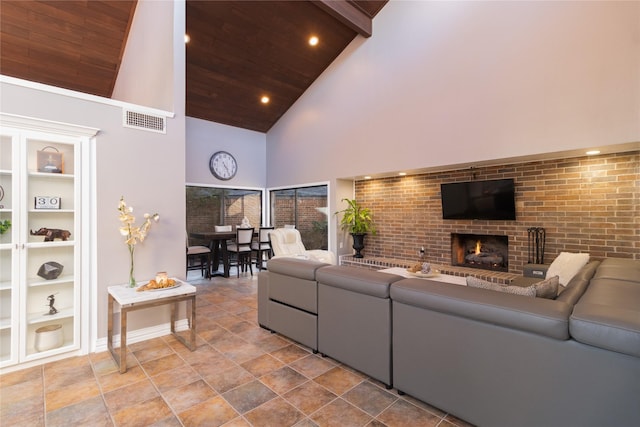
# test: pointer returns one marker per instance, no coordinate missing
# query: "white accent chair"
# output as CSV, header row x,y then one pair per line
x,y
287,242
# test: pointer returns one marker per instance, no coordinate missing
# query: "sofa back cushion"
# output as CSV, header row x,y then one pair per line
x,y
566,265
578,284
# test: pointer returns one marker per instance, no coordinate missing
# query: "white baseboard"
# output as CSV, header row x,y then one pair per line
x,y
142,334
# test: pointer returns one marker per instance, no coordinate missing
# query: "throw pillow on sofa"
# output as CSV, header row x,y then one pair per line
x,y
474,282
548,288
566,265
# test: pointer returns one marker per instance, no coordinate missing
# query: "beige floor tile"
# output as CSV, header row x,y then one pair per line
x,y
130,395
89,412
309,397
338,380
340,414
262,365
228,379
404,414
275,413
71,394
65,375
165,363
175,378
283,380
370,398
312,365
23,375
115,380
143,414
290,353
249,396
184,397
213,412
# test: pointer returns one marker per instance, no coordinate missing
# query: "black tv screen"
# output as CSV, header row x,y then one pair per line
x,y
490,200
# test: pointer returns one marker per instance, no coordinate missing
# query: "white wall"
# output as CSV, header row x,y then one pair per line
x,y
146,72
248,147
445,83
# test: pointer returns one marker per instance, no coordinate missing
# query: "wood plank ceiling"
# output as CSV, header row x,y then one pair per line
x,y
239,50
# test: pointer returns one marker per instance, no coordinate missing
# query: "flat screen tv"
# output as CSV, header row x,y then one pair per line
x,y
489,200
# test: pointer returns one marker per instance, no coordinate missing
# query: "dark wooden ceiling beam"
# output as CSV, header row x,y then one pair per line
x,y
347,14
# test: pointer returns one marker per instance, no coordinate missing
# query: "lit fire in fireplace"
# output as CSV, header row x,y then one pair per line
x,y
480,251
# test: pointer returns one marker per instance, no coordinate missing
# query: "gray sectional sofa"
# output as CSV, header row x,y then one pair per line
x,y
490,358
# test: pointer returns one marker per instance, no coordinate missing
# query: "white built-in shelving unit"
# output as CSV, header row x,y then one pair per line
x,y
29,173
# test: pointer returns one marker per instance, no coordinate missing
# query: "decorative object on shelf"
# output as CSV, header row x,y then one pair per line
x,y
50,161
52,300
223,165
46,202
52,233
358,222
4,226
50,270
1,196
132,233
49,337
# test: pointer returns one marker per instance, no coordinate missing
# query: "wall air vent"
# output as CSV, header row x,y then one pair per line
x,y
144,121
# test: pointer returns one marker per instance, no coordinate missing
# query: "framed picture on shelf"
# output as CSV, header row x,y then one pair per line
x,y
50,160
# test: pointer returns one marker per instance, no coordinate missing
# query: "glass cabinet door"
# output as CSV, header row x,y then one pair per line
x,y
8,263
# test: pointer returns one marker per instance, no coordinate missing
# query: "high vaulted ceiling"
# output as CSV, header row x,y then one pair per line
x,y
239,51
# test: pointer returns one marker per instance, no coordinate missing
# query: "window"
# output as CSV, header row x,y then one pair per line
x,y
306,208
210,206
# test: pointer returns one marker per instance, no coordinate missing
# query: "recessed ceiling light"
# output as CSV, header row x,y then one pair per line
x,y
313,40
265,99
593,152
187,39
402,173
367,177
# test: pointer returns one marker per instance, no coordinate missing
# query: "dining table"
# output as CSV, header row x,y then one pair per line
x,y
218,245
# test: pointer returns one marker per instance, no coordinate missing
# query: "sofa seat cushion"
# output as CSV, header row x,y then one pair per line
x,y
608,316
621,269
358,280
535,315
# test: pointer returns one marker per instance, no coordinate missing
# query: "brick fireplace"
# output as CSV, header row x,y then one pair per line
x,y
489,252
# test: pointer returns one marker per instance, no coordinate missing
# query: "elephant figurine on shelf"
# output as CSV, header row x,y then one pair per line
x,y
52,233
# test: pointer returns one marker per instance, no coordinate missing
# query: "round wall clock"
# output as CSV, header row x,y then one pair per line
x,y
223,165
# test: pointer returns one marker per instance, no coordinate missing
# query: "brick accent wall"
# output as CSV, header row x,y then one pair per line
x,y
585,204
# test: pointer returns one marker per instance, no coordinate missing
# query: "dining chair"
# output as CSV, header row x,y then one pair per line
x,y
198,258
262,246
241,249
222,228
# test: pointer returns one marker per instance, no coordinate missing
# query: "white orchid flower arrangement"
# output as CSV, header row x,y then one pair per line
x,y
132,233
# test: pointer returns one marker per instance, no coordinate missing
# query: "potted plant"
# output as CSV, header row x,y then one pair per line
x,y
358,222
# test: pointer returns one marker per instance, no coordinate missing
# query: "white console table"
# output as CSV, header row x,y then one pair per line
x,y
130,300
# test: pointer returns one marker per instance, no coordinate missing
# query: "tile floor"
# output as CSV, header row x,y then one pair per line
x,y
240,375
